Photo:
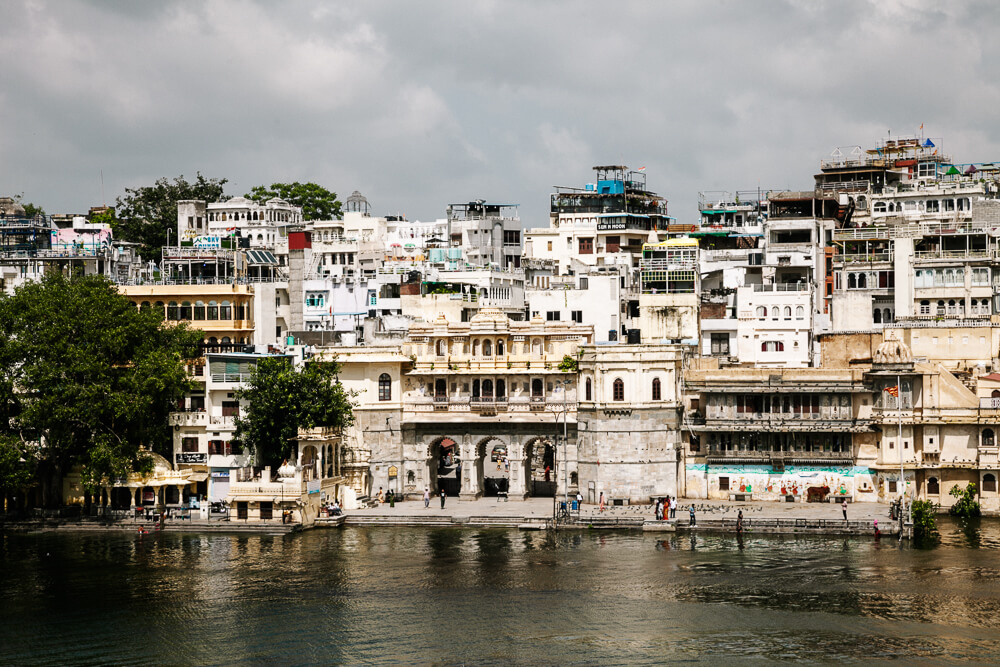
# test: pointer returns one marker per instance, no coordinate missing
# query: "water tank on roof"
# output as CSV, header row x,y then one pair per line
x,y
613,335
437,254
590,187
634,336
454,253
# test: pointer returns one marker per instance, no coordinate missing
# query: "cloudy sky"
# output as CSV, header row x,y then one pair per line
x,y
418,104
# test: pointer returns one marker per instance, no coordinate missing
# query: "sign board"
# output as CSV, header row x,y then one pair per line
x,y
191,457
612,226
220,474
312,487
393,472
208,242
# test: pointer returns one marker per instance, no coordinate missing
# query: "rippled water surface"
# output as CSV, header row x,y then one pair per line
x,y
467,596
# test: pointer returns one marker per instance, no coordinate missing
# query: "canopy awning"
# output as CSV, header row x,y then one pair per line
x,y
261,257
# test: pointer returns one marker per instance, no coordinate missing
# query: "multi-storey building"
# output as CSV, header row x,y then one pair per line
x,y
486,403
489,234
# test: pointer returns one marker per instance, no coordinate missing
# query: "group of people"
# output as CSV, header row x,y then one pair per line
x,y
666,509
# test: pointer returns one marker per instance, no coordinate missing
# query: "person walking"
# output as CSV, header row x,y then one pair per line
x,y
442,498
844,506
601,505
739,522
693,521
657,510
673,508
380,496
579,501
427,497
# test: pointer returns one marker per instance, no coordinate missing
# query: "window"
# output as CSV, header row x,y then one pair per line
x,y
487,348
892,486
226,311
723,483
384,387
500,348
618,390
552,316
588,390
772,346
266,509
656,389
612,243
800,313
774,313
988,437
537,388
230,408
761,313
576,316
788,312
933,488
189,444
586,246
315,299
439,348
720,344
550,246
925,307
989,482
512,237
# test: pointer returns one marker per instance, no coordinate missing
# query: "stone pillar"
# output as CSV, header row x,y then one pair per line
x,y
518,468
470,473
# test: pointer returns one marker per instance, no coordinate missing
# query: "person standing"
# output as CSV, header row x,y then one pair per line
x,y
579,501
601,505
844,506
739,522
657,510
427,497
693,521
380,496
673,508
442,498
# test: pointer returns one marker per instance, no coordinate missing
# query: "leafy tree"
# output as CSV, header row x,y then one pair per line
x,y
569,364
281,400
85,378
966,506
145,214
924,521
30,210
317,202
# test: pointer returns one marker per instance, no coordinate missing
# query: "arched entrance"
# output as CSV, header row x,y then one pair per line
x,y
493,463
445,467
540,472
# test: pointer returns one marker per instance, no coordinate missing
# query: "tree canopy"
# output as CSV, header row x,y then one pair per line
x,y
281,400
317,202
143,215
85,378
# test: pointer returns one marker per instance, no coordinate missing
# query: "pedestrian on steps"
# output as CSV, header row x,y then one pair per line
x,y
442,498
427,497
844,506
673,508
693,521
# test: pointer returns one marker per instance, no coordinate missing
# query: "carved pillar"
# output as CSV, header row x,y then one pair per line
x,y
518,467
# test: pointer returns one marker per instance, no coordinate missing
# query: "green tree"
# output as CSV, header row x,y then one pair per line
x,y
143,215
86,378
317,202
569,364
924,521
281,400
30,210
966,506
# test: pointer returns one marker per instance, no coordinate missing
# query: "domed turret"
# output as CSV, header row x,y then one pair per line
x,y
893,351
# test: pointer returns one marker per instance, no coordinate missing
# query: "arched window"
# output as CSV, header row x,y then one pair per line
x,y
226,311
199,310
925,307
933,488
761,312
618,390
774,313
212,312
499,348
589,394
536,347
501,389
995,393
384,387
537,388
862,280
788,312
940,307
988,437
475,389
656,389
145,306
487,348
989,482
852,281
800,313
475,348
887,316
173,311
439,348
440,388
877,316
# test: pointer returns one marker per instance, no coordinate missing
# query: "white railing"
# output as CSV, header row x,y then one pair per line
x,y
990,403
188,419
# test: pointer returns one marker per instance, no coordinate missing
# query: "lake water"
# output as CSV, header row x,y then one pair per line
x,y
495,597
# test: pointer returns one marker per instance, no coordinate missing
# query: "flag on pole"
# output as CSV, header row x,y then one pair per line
x,y
641,169
893,390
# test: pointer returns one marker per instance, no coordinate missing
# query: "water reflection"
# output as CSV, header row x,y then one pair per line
x,y
496,596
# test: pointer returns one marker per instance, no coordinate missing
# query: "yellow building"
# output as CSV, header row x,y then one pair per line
x,y
223,311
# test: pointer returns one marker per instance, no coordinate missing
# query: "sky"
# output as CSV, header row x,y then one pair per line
x,y
422,104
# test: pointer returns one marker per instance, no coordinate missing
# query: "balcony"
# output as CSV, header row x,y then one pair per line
x,y
225,421
959,255
864,258
781,457
990,403
188,419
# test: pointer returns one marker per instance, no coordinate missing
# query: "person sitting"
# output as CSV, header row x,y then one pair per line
x,y
336,511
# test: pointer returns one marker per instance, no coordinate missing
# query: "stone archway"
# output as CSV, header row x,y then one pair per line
x,y
444,466
493,466
540,468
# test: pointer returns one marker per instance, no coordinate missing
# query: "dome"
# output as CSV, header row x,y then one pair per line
x,y
653,237
239,201
893,352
